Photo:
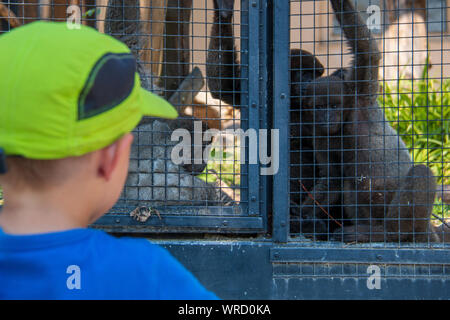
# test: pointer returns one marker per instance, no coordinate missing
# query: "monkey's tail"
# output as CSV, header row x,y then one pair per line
x,y
223,71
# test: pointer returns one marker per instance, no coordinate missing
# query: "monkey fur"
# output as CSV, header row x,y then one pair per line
x,y
386,196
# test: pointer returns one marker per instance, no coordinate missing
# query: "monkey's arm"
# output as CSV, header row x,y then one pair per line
x,y
304,67
318,205
329,168
363,75
222,67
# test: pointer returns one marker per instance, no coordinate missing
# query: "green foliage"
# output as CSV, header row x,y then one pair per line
x,y
227,167
441,210
419,111
92,13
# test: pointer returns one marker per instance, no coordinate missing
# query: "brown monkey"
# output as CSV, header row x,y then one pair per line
x,y
386,196
322,118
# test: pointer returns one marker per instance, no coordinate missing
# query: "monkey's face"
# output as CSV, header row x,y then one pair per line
x,y
305,64
304,67
322,105
225,8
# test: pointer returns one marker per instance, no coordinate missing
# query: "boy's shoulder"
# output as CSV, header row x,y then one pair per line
x,y
91,264
144,263
117,246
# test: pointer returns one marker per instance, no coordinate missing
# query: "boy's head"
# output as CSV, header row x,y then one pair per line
x,y
67,107
95,179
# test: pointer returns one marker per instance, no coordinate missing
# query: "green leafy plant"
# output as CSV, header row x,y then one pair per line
x,y
419,111
227,168
91,13
441,210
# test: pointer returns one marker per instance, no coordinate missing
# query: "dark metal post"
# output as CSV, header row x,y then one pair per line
x,y
253,98
281,92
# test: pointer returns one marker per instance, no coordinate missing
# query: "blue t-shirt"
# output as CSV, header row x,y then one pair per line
x,y
90,264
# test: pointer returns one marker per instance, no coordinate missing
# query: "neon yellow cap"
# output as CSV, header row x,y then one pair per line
x,y
66,92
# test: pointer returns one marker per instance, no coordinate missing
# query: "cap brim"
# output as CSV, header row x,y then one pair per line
x,y
155,106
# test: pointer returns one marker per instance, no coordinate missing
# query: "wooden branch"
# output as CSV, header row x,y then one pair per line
x,y
176,58
185,94
9,16
153,16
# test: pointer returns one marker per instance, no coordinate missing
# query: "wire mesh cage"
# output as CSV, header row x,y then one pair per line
x,y
198,183
369,121
365,144
179,39
189,173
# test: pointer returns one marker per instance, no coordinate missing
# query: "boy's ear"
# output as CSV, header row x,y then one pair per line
x,y
110,156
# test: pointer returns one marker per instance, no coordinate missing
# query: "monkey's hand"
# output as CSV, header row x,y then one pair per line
x,y
225,8
315,209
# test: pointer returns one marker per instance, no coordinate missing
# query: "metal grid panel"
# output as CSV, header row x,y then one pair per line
x,y
350,281
198,197
172,38
329,272
196,54
353,178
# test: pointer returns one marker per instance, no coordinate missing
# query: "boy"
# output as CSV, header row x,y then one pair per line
x,y
68,101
